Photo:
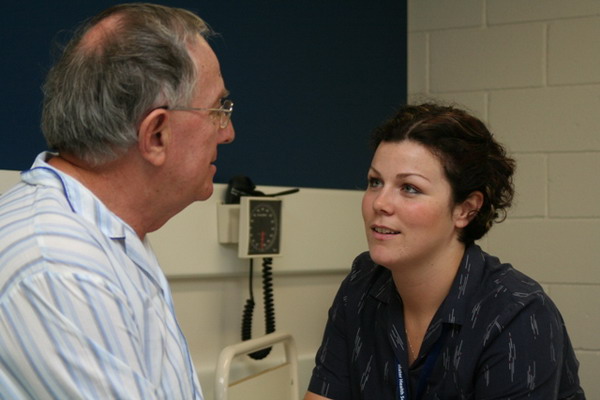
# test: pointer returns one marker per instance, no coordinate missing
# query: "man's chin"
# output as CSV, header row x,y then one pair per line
x,y
207,192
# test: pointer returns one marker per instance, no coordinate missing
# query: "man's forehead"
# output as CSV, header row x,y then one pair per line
x,y
93,39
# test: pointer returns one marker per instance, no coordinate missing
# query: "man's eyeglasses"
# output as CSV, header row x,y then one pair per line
x,y
224,111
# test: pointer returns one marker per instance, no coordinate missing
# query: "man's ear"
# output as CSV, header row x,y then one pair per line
x,y
468,209
153,136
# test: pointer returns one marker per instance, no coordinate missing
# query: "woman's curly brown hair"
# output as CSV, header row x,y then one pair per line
x,y
472,159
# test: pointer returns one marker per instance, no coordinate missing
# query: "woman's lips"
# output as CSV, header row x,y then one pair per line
x,y
384,231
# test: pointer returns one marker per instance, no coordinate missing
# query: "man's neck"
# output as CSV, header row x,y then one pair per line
x,y
116,184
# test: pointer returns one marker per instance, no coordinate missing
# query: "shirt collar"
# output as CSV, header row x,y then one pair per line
x,y
454,307
85,204
81,200
383,287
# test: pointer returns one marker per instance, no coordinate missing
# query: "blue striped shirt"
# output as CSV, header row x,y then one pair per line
x,y
85,310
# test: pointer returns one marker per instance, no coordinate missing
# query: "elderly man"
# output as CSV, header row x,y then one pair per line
x,y
133,112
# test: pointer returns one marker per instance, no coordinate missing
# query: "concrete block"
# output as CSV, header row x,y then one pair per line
x,y
510,11
574,185
547,119
473,102
8,179
434,14
579,305
417,98
530,186
483,243
574,51
495,58
550,251
417,63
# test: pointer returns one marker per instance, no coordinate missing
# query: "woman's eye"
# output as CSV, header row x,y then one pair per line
x,y
410,189
374,182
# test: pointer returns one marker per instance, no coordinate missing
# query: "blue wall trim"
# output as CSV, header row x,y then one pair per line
x,y
310,80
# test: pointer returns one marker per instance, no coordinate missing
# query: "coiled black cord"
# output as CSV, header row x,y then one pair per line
x,y
267,274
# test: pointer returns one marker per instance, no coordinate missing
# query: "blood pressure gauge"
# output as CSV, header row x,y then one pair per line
x,y
260,227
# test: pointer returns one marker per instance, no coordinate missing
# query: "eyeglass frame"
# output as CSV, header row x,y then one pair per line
x,y
226,110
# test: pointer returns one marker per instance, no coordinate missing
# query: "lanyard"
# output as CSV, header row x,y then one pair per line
x,y
425,373
402,385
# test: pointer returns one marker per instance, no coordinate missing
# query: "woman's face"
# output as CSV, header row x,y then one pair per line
x,y
407,207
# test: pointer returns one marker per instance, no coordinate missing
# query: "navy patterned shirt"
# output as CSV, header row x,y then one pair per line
x,y
497,335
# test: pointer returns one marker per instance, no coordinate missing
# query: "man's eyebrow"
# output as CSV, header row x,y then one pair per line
x,y
219,101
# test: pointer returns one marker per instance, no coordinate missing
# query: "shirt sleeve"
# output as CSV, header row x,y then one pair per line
x,y
330,376
528,355
67,336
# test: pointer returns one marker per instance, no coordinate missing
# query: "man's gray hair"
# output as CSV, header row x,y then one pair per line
x,y
99,91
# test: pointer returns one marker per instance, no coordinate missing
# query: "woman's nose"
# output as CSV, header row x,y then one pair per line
x,y
382,202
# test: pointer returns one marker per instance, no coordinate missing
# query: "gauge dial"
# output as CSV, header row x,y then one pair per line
x,y
264,226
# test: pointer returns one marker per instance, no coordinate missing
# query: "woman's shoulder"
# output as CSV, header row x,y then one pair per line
x,y
505,281
505,292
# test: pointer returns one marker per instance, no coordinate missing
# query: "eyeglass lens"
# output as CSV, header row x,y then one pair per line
x,y
227,108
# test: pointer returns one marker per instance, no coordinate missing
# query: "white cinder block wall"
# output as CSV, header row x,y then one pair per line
x,y
531,70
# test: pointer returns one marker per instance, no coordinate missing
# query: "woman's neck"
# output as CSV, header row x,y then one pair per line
x,y
423,289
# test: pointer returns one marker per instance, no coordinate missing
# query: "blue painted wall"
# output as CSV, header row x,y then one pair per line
x,y
310,79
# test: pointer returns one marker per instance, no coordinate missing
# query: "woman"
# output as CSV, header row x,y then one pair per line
x,y
425,313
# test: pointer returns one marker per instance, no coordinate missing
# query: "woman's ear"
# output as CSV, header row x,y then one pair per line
x,y
153,136
468,209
